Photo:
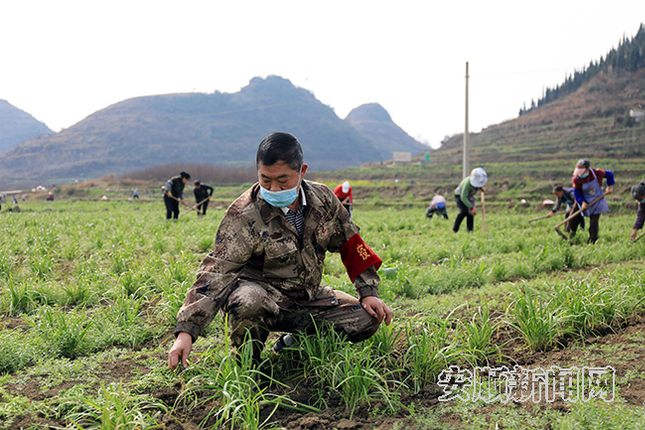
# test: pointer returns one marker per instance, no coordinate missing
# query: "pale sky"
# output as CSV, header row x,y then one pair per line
x,y
63,60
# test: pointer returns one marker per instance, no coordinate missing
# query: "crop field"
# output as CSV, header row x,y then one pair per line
x,y
513,328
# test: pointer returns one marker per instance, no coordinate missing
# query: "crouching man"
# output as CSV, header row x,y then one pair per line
x,y
267,265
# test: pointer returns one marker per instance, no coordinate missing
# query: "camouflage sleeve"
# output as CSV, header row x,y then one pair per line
x,y
217,275
367,283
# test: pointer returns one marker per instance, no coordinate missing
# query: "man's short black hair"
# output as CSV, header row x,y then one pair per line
x,y
197,183
557,188
185,175
278,147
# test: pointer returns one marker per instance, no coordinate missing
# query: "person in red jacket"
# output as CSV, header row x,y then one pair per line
x,y
587,186
344,194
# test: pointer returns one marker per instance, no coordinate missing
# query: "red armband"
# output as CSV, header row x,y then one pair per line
x,y
357,256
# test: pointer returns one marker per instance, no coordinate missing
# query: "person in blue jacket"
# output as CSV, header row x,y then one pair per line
x,y
587,186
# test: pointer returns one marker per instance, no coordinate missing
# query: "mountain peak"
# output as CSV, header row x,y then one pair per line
x,y
369,112
207,128
17,126
375,123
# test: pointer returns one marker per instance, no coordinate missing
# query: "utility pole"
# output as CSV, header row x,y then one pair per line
x,y
465,163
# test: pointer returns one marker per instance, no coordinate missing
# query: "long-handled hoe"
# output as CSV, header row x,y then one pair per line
x,y
197,205
542,217
557,227
185,204
483,213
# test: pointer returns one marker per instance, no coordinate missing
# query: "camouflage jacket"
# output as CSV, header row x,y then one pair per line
x,y
256,242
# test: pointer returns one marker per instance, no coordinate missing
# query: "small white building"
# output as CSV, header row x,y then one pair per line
x,y
637,114
402,157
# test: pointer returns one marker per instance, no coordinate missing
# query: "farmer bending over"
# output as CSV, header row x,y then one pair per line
x,y
174,194
465,198
267,265
567,197
638,192
437,206
344,193
587,186
203,193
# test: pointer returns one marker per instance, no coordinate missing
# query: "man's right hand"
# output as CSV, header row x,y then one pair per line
x,y
180,351
473,211
550,214
584,206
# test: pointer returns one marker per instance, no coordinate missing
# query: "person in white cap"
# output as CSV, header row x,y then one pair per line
x,y
465,198
587,186
344,193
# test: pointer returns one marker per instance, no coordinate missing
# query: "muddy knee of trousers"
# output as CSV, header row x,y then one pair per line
x,y
250,311
249,301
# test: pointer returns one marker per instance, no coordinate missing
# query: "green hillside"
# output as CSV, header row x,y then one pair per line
x,y
526,156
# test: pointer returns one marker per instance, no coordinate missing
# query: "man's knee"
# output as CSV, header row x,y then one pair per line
x,y
250,301
352,319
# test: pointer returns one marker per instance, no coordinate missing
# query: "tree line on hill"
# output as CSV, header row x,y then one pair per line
x,y
628,56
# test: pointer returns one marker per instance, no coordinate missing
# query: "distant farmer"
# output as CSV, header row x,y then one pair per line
x,y
437,206
203,193
344,193
268,261
567,197
174,194
135,194
587,185
465,198
638,192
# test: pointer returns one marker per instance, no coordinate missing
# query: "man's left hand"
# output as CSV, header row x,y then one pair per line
x,y
610,189
377,308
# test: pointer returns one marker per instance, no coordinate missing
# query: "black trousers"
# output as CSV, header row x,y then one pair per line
x,y
464,212
201,208
349,209
172,207
593,228
572,225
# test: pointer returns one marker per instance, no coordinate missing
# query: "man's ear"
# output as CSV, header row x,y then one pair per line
x,y
303,169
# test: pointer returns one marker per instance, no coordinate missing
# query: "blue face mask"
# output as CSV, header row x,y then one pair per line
x,y
584,175
282,198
